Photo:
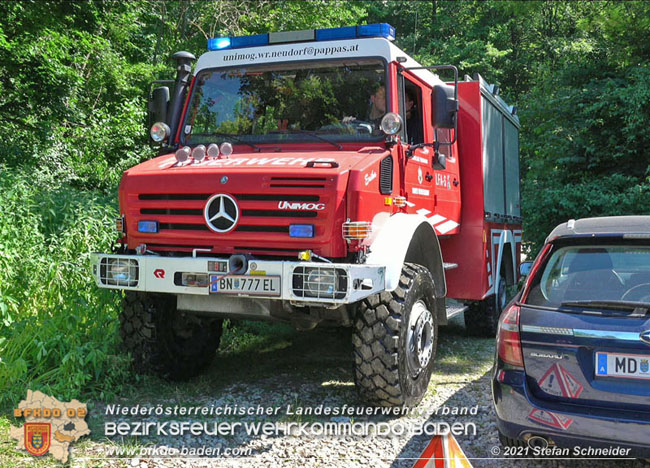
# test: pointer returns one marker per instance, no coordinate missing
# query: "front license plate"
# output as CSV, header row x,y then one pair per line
x,y
631,366
242,284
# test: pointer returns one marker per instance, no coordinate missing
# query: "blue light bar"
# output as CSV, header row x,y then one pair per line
x,y
150,227
384,30
301,230
249,41
376,30
334,34
219,43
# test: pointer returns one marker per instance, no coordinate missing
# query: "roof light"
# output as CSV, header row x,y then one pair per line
x,y
376,30
334,34
249,41
284,37
219,43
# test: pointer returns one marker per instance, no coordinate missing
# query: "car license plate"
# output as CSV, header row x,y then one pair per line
x,y
633,366
243,284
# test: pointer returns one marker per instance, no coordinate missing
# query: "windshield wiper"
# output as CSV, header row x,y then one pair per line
x,y
638,309
314,134
237,140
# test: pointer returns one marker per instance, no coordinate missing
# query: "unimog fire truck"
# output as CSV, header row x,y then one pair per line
x,y
318,177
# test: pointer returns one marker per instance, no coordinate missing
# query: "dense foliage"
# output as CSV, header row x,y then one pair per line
x,y
73,84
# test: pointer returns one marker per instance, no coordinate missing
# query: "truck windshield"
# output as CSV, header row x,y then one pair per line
x,y
289,103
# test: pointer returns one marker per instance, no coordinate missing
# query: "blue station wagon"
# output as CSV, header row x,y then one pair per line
x,y
572,370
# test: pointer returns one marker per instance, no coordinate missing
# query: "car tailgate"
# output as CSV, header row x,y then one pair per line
x,y
562,351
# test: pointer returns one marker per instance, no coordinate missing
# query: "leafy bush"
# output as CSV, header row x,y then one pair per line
x,y
58,331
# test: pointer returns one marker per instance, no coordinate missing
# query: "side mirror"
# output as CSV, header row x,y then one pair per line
x,y
525,267
444,106
158,105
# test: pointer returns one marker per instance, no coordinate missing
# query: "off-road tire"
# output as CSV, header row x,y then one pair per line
x,y
482,317
165,341
383,373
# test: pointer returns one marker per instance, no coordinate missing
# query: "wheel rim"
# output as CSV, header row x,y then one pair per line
x,y
419,338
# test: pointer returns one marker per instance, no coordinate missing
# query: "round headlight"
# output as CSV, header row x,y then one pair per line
x,y
198,153
226,149
391,123
183,153
122,272
321,281
213,150
159,132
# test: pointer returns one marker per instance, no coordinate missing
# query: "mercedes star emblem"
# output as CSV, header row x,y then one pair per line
x,y
221,213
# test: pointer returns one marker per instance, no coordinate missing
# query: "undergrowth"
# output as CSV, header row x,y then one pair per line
x,y
58,331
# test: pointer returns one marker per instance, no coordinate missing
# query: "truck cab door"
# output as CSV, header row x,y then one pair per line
x,y
447,187
434,194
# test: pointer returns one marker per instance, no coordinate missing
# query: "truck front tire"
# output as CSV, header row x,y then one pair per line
x,y
394,339
164,341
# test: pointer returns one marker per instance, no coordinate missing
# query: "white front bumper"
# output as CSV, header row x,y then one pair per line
x,y
161,274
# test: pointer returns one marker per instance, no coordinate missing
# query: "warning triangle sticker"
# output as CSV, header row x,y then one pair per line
x,y
549,419
564,421
552,382
571,383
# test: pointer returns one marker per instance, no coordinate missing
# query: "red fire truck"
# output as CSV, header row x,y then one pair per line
x,y
318,177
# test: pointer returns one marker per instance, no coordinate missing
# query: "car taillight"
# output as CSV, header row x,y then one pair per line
x,y
508,338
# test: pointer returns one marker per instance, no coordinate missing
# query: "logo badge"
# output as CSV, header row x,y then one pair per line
x,y
286,205
644,365
159,273
370,177
645,336
37,438
221,213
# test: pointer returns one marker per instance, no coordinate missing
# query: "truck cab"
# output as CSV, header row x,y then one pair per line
x,y
312,177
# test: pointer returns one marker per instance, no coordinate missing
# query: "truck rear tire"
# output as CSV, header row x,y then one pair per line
x,y
164,341
394,338
482,317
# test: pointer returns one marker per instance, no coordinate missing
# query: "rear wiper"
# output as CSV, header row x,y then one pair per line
x,y
314,134
236,139
638,309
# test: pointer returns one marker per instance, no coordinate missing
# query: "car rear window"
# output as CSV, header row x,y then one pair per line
x,y
599,273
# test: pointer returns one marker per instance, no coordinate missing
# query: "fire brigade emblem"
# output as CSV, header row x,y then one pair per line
x,y
644,365
37,438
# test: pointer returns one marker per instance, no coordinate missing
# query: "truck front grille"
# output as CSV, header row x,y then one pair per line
x,y
264,218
